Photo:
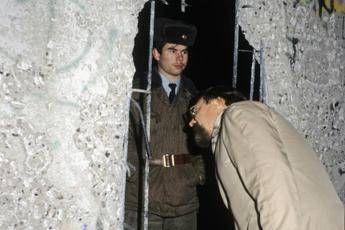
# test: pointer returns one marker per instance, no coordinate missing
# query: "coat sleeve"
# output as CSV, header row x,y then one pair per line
x,y
134,144
197,160
199,169
223,194
256,150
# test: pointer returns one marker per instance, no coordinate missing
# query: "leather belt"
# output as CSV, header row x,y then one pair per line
x,y
170,160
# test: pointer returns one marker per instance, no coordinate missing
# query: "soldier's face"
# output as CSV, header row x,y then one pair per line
x,y
172,60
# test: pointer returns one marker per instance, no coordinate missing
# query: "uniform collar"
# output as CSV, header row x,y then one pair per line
x,y
166,82
216,130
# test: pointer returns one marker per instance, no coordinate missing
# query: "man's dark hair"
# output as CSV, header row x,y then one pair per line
x,y
228,94
159,46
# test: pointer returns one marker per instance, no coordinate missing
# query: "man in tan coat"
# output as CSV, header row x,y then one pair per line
x,y
268,175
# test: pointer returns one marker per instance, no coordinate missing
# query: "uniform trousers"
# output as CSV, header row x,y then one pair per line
x,y
156,222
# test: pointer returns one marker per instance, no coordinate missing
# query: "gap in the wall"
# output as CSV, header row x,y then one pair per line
x,y
211,58
211,64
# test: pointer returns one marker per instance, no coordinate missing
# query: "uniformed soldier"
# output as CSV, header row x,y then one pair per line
x,y
175,171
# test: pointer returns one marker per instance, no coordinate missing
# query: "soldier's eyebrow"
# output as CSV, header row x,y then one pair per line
x,y
174,49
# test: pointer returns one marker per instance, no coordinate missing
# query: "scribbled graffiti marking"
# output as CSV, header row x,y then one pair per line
x,y
320,6
330,6
292,58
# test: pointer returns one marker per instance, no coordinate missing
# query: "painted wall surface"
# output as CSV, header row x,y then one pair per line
x,y
304,61
65,81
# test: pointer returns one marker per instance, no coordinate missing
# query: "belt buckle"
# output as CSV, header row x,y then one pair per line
x,y
168,160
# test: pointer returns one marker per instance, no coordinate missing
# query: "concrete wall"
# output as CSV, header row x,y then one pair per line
x,y
304,65
65,81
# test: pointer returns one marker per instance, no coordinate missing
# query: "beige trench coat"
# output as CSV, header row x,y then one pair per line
x,y
269,176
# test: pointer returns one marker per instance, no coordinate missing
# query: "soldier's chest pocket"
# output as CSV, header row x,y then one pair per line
x,y
164,121
155,122
155,117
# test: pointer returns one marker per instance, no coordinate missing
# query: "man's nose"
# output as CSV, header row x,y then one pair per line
x,y
179,55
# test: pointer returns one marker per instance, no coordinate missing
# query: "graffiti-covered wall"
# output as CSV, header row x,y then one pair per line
x,y
304,56
65,80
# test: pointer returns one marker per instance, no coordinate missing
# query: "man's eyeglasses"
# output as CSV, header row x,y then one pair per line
x,y
193,110
190,113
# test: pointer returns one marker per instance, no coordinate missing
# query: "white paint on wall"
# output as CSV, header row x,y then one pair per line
x,y
65,82
304,64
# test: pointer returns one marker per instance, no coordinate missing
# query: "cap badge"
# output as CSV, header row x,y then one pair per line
x,y
184,37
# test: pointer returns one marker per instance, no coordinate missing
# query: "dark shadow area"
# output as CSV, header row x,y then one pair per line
x,y
210,64
244,69
211,58
212,213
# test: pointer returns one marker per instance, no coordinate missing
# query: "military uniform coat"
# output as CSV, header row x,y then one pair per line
x,y
172,191
269,176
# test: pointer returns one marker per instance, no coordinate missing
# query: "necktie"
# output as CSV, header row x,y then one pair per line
x,y
172,92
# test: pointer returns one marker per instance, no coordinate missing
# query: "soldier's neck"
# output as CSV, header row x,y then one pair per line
x,y
171,78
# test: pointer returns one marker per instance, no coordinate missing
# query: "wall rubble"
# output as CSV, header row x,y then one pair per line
x,y
65,81
304,66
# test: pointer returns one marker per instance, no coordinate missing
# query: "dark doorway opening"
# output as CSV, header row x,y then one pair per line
x,y
210,64
211,58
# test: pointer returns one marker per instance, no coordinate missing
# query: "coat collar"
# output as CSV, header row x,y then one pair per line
x,y
184,83
216,130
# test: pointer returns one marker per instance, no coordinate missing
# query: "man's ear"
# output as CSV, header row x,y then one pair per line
x,y
156,55
220,101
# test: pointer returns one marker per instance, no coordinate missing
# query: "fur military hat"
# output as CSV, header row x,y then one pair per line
x,y
173,31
